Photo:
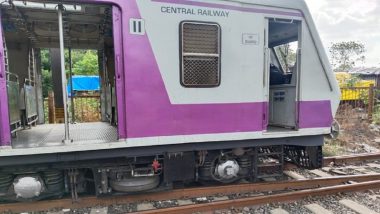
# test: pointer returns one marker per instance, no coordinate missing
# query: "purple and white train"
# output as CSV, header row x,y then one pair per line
x,y
191,90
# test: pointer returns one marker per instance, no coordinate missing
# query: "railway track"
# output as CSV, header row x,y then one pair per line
x,y
344,159
281,197
327,181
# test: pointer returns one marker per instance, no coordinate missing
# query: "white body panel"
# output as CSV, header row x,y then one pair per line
x,y
242,65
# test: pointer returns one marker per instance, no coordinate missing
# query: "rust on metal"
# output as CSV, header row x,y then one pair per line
x,y
258,200
51,107
371,100
186,193
338,160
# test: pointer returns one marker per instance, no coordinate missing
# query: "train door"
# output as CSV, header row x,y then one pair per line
x,y
93,34
282,63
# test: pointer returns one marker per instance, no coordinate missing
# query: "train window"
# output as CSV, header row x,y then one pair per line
x,y
200,54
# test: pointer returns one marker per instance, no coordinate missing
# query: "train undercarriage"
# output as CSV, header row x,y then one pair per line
x,y
132,175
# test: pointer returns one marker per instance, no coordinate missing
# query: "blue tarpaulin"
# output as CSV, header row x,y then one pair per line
x,y
84,83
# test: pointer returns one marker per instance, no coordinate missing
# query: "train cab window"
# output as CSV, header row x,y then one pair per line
x,y
200,54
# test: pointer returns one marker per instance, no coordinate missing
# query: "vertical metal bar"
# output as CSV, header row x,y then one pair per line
x,y
370,102
71,88
63,73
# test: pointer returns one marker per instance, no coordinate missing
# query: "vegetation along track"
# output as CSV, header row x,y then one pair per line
x,y
276,191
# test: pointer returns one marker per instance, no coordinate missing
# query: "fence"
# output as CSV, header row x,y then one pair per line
x,y
86,109
358,103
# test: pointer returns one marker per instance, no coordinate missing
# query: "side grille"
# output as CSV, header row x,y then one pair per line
x,y
200,38
200,71
200,54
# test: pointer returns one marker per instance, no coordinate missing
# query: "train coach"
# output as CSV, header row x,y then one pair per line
x,y
191,90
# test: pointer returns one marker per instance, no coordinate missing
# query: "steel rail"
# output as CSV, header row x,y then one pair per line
x,y
259,200
351,158
92,201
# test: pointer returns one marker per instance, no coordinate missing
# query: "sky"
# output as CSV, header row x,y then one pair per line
x,y
347,20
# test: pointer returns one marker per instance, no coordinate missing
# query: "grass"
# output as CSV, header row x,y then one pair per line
x,y
333,148
86,110
376,115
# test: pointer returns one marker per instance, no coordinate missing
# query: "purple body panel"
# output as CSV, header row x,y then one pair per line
x,y
315,114
230,7
5,135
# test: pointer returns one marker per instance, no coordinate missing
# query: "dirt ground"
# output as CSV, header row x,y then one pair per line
x,y
357,135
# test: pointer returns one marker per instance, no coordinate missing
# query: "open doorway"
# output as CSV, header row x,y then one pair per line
x,y
83,85
37,84
283,46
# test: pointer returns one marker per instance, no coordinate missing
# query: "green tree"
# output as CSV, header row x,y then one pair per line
x,y
47,81
45,60
85,63
345,55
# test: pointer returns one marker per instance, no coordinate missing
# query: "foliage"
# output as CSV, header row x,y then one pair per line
x,y
348,80
376,115
47,82
86,109
345,55
45,60
84,62
333,148
287,56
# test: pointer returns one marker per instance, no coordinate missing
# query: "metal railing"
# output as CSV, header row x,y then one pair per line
x,y
358,103
86,109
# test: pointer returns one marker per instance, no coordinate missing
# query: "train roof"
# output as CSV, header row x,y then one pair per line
x,y
289,4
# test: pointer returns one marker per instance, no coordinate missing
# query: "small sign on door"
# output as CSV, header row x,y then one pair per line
x,y
250,39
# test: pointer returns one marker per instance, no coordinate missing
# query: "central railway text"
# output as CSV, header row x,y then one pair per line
x,y
191,11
